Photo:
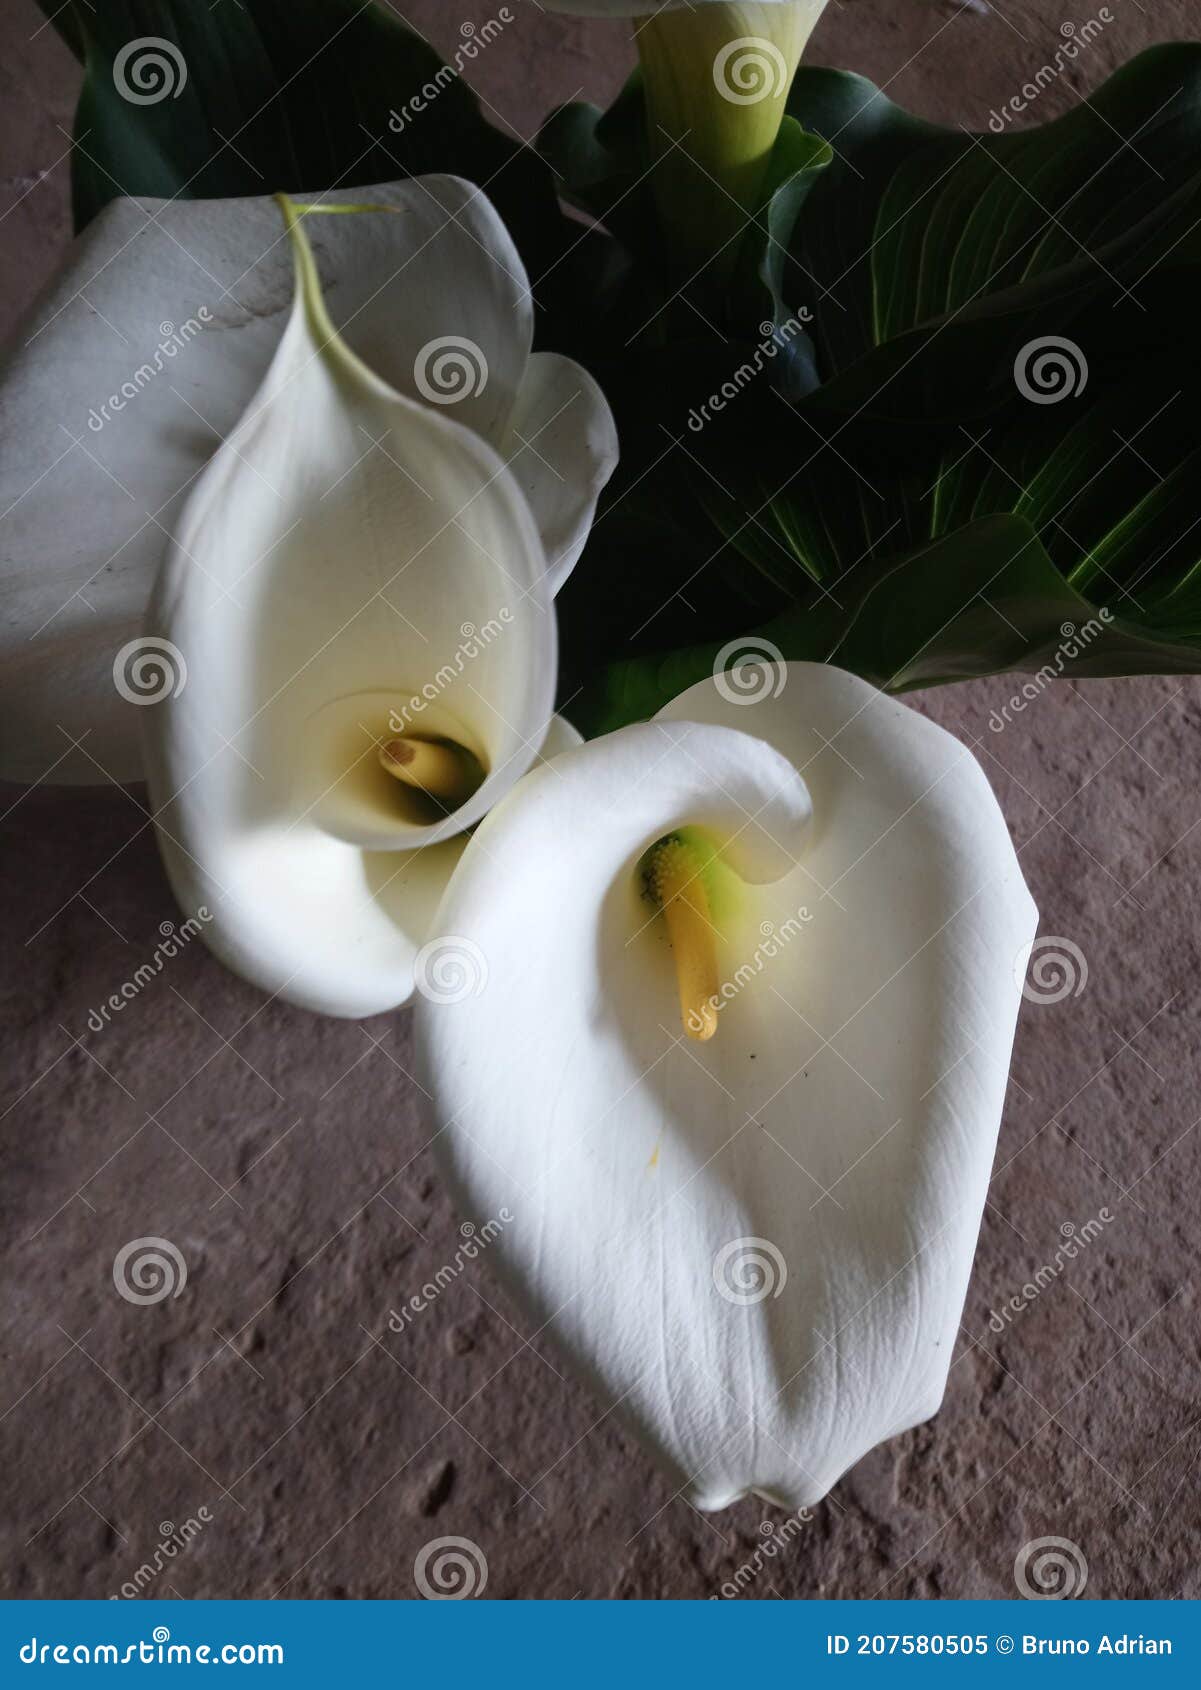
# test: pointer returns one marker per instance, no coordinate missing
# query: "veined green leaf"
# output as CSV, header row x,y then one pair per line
x,y
980,601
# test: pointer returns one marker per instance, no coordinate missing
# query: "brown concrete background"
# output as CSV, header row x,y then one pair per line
x,y
284,1156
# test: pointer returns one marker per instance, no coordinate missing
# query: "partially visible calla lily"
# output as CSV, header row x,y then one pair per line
x,y
140,359
717,77
750,1229
361,592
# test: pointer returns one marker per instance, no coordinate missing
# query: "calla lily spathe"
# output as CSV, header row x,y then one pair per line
x,y
143,355
756,1247
357,578
716,77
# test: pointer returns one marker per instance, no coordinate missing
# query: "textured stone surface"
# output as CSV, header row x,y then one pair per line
x,y
285,1158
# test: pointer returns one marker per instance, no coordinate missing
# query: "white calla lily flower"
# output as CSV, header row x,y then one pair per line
x,y
140,359
361,593
752,1233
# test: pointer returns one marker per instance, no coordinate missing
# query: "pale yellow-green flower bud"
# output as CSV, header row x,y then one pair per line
x,y
716,81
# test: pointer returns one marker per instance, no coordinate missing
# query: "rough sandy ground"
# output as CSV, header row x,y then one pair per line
x,y
327,1451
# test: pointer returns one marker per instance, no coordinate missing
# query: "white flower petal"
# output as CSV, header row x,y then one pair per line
x,y
141,358
757,1247
327,926
350,565
561,444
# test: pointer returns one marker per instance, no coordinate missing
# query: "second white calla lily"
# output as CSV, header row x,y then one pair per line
x,y
359,588
751,1228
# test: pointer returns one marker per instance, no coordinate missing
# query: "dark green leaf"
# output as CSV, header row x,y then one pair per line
x,y
300,95
983,600
933,255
